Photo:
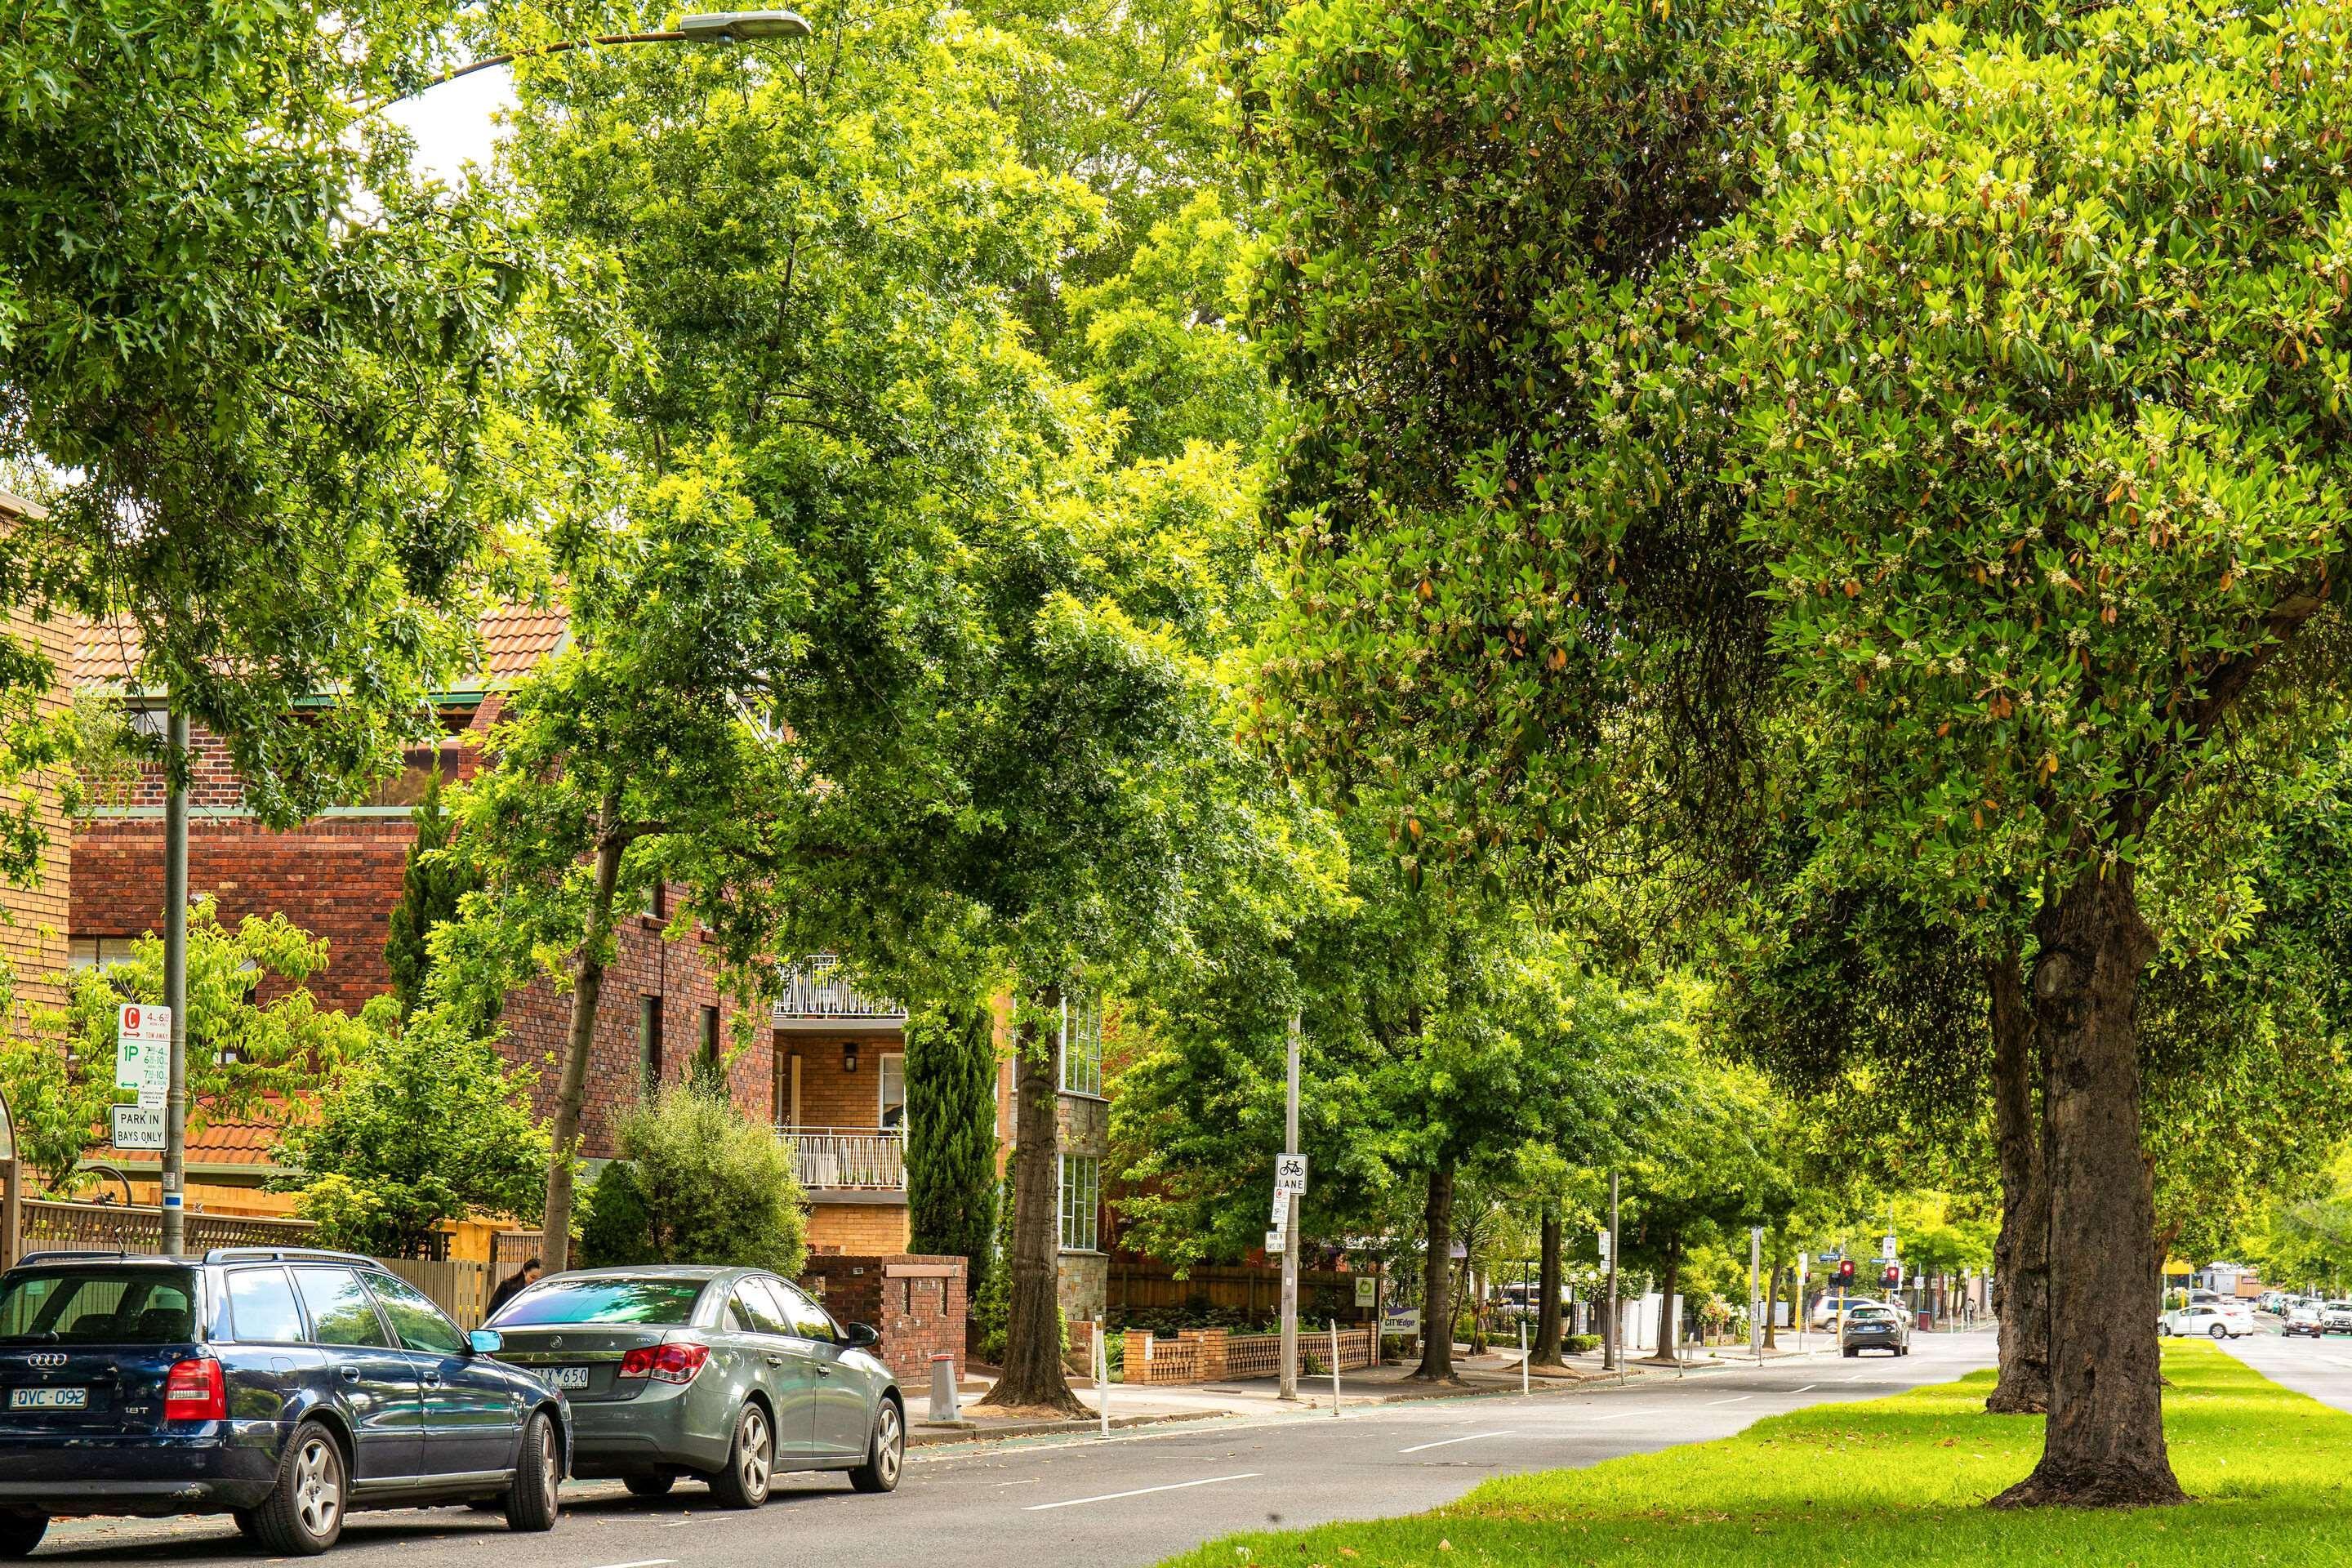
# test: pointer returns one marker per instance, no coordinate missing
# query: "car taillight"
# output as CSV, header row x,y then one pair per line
x,y
195,1391
666,1363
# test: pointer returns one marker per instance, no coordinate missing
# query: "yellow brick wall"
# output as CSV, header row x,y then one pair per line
x,y
830,1096
33,933
858,1229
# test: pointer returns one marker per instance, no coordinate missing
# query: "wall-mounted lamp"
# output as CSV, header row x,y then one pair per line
x,y
849,1055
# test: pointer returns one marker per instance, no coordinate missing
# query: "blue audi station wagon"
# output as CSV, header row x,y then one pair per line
x,y
285,1387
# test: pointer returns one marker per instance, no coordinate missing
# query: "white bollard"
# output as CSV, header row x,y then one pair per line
x,y
1523,1355
1102,1375
1335,1366
943,1388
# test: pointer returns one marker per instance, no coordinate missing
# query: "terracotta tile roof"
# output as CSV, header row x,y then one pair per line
x,y
514,638
517,636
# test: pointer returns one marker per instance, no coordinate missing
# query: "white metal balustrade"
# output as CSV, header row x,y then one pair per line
x,y
817,988
872,1159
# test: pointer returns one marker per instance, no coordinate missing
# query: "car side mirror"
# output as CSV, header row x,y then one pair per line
x,y
861,1336
485,1342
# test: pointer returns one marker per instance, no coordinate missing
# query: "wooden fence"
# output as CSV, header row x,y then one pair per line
x,y
1136,1288
459,1287
53,1225
1212,1355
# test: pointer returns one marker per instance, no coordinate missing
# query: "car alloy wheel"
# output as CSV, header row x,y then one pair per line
x,y
752,1468
750,1463
319,1485
890,1444
2221,1330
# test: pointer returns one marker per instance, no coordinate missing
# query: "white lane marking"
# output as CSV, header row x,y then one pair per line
x,y
1735,1399
1857,1378
645,1562
1807,1389
1032,1482
1449,1442
1622,1414
1108,1497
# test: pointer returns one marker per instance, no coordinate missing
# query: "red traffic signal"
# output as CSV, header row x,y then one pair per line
x,y
1894,1275
1845,1272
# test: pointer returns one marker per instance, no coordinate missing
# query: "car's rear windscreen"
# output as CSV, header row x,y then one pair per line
x,y
616,1300
98,1306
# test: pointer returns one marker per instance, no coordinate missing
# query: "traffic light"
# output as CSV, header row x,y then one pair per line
x,y
1845,1272
1893,1276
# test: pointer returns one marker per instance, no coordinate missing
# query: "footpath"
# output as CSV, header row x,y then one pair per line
x,y
1495,1372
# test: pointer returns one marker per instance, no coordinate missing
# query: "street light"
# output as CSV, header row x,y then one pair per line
x,y
704,27
743,27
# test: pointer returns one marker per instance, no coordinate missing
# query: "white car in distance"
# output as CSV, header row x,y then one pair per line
x,y
2215,1320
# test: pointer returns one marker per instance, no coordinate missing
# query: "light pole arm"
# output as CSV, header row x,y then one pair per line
x,y
697,28
607,41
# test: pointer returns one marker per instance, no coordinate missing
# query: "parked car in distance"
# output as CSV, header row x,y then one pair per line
x,y
1872,1326
283,1386
1826,1309
725,1375
2304,1317
2337,1317
2216,1317
2274,1302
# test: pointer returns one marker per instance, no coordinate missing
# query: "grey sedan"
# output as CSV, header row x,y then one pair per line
x,y
724,1374
1875,1328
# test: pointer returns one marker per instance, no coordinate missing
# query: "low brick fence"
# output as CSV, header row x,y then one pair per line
x,y
917,1301
1215,1355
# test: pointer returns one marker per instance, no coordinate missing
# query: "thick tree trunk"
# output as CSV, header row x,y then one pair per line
x,y
1032,1377
2022,1252
1670,1322
2104,1443
571,1083
1436,1275
1547,1347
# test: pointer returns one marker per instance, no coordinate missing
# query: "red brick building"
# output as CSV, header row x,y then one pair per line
x,y
828,1071
338,876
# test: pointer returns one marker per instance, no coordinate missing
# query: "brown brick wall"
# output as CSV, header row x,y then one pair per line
x,y
917,1303
337,878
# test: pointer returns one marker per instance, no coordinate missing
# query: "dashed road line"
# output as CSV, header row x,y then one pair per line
x,y
1108,1497
1449,1442
1735,1399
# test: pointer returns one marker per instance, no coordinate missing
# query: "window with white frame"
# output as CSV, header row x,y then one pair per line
x,y
891,1081
97,951
1082,1046
1081,1183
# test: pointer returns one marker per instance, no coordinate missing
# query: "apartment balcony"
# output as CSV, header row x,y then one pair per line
x,y
848,1158
817,994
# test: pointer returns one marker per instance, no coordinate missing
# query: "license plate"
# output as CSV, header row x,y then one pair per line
x,y
48,1399
569,1376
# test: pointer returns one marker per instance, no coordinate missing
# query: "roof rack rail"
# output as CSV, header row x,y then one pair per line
x,y
283,1255
68,1253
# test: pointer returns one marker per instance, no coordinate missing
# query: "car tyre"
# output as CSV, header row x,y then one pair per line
x,y
530,1502
248,1524
1852,1352
750,1461
20,1533
303,1514
886,1452
650,1486
2221,1330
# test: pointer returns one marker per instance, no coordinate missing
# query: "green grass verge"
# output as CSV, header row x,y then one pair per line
x,y
1897,1481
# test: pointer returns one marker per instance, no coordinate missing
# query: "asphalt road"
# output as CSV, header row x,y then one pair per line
x,y
2321,1368
1129,1500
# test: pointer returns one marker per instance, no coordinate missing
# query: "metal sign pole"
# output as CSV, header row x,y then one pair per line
x,y
175,987
1289,1389
1613,1356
